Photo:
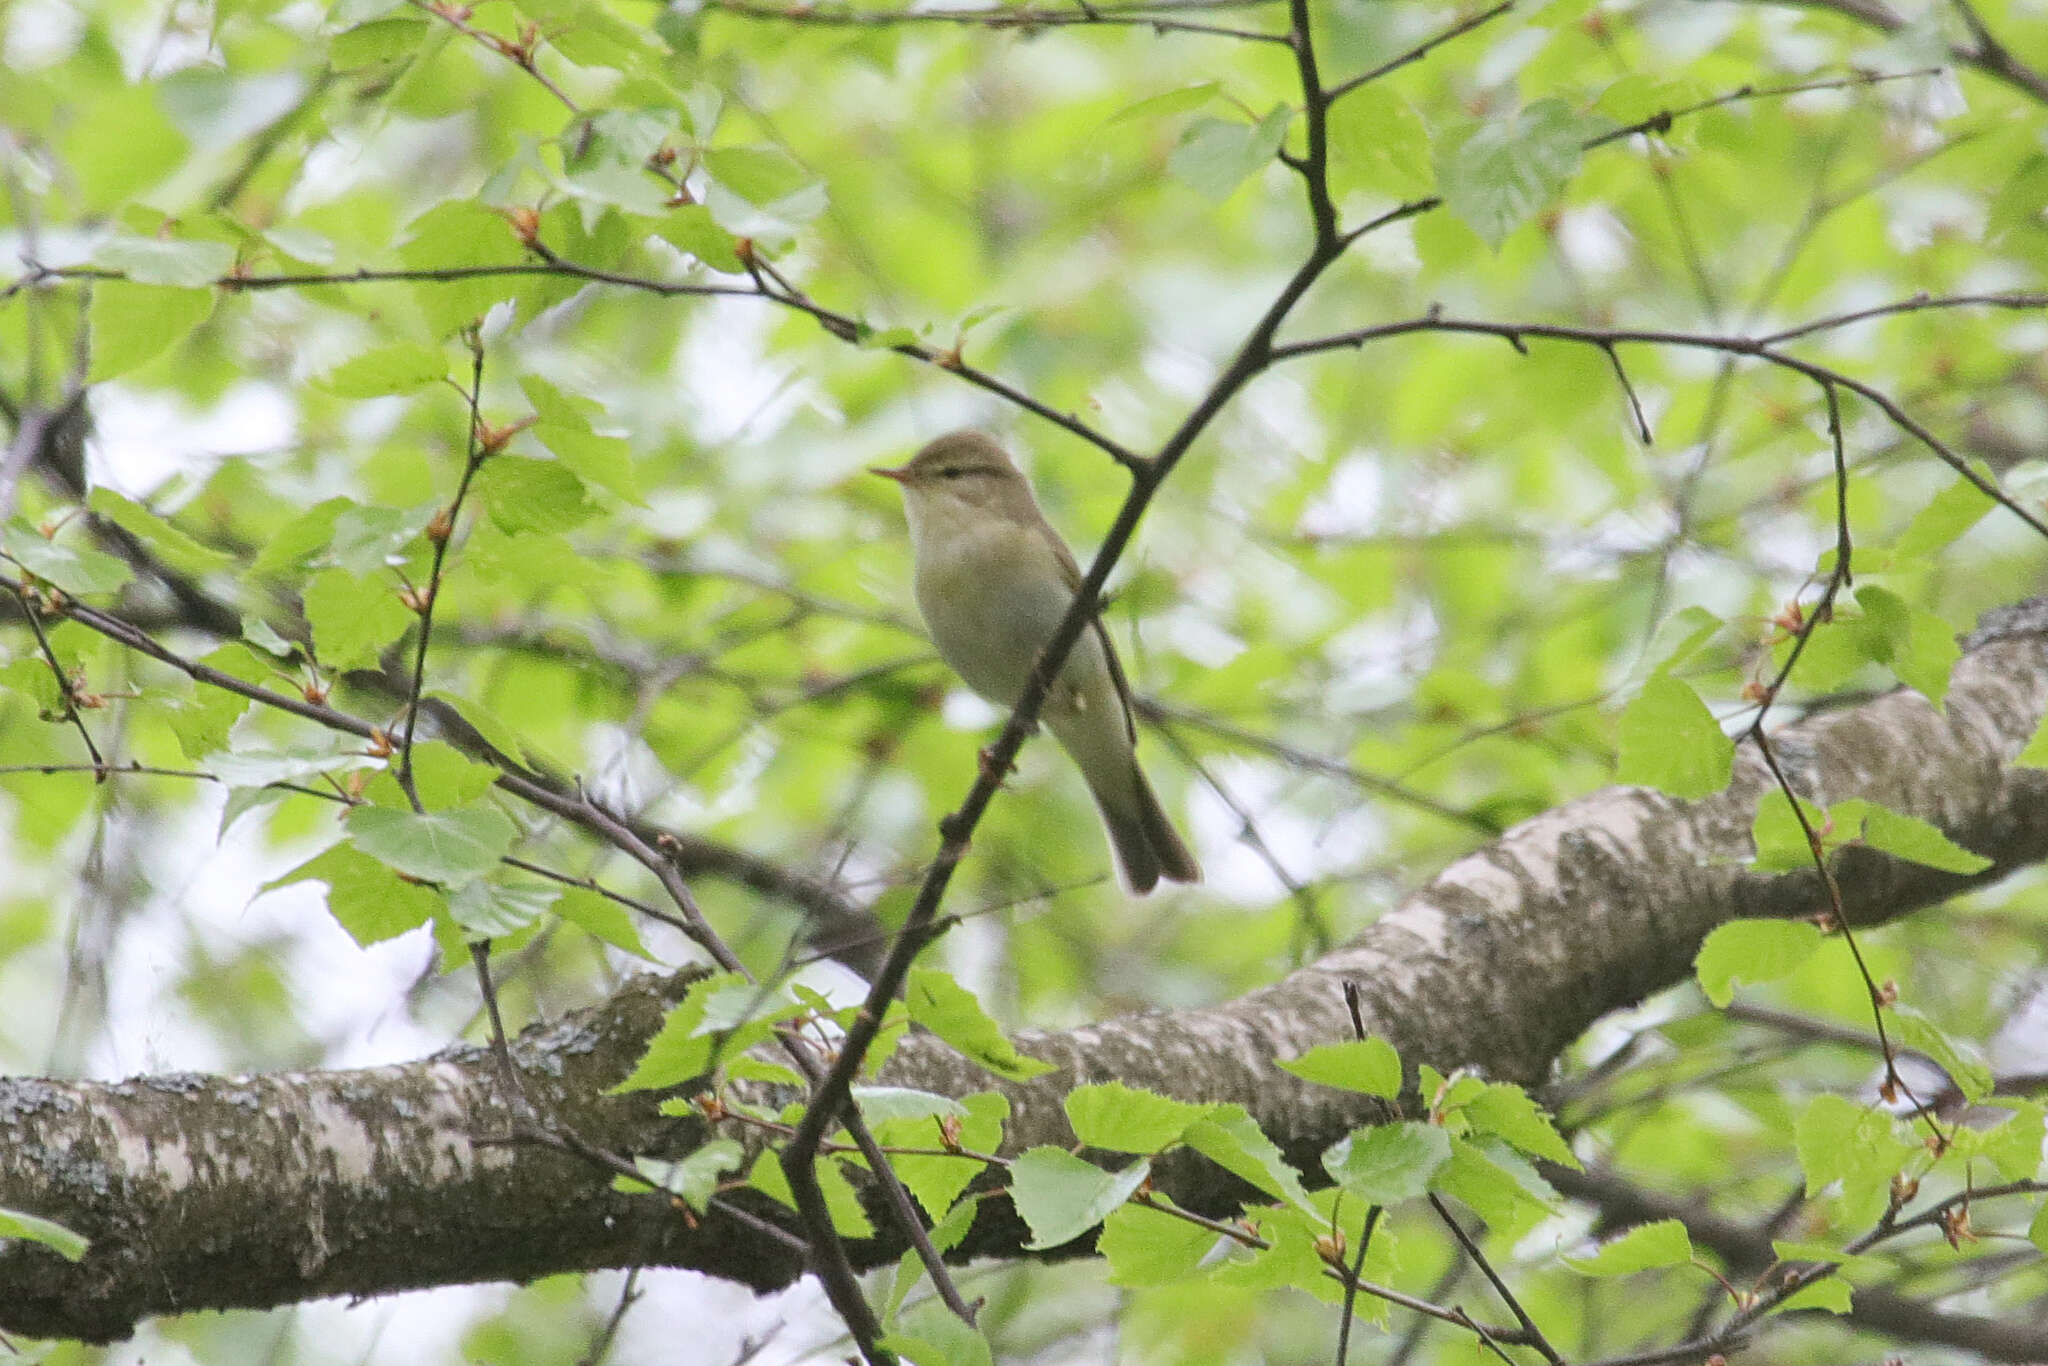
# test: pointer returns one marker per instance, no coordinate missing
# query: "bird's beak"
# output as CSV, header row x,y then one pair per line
x,y
899,473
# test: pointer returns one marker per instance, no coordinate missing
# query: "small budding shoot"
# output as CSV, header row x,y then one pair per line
x,y
381,746
1330,1247
525,223
1955,1226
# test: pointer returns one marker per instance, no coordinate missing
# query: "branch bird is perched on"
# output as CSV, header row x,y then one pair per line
x,y
993,582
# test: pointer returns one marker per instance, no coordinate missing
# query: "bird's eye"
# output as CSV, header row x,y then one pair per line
x,y
952,472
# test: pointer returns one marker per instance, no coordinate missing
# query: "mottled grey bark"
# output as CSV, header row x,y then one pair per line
x,y
205,1192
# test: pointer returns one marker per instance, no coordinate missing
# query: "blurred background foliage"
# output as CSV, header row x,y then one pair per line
x,y
1393,601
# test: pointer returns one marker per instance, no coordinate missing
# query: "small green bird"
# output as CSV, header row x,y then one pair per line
x,y
993,582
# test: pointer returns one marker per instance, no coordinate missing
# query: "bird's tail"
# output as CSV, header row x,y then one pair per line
x,y
1147,846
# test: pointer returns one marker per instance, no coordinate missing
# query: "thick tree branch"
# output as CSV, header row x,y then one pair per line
x,y
398,1177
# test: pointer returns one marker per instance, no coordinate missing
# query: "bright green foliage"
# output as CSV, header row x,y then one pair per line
x,y
950,1011
1061,1197
1216,155
1841,1141
694,1179
396,369
1388,1163
1906,837
51,1234
365,894
1670,741
1233,1141
1964,1065
446,847
1128,1120
935,1180
1752,951
1368,1065
76,569
1150,1247
933,1337
848,1218
1509,169
682,1048
1646,1246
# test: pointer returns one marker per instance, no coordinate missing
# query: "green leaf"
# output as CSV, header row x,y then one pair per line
x,y
1957,508
203,721
164,261
849,1220
1670,741
1185,100
2037,1230
606,461
366,539
1780,839
396,369
950,1011
1370,1066
445,847
1216,155
451,237
444,776
600,916
2013,1145
1830,1293
1385,1164
488,909
1127,1120
1510,170
679,1051
2021,201
1232,1139
1919,647
1838,1140
1642,1248
694,1179
78,570
1508,1112
1964,1065
1752,951
165,541
369,900
1489,1179
1061,1197
889,1104
261,767
1679,637
1379,142
1151,1247
690,228
1903,836
1855,1268
132,324
352,618
937,1181
383,40
932,1336
526,495
51,1234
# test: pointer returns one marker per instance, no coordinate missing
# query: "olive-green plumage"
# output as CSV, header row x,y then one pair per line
x,y
993,581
